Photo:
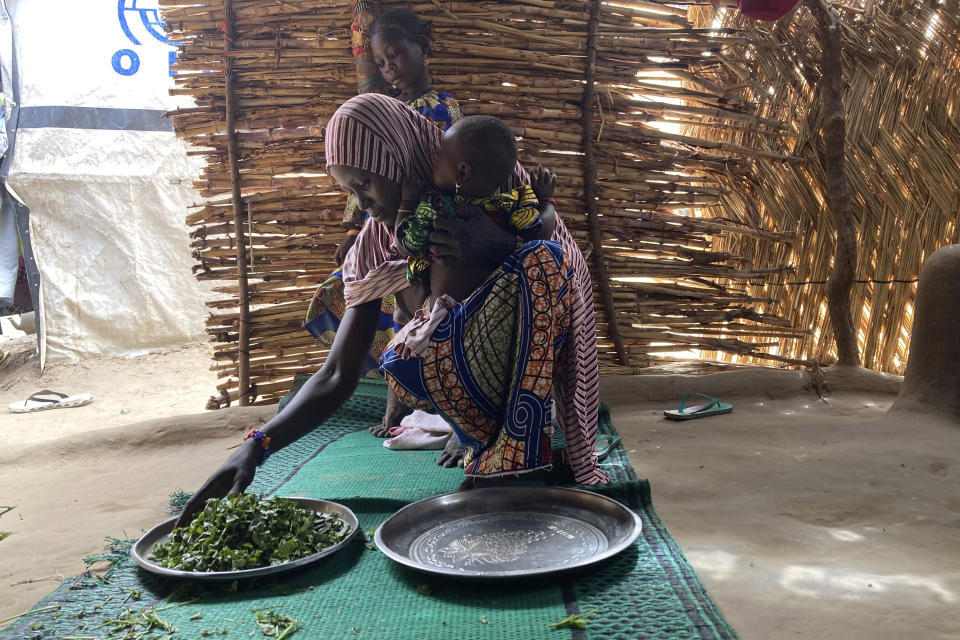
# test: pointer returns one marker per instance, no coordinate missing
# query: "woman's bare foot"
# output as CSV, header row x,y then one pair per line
x,y
452,454
396,411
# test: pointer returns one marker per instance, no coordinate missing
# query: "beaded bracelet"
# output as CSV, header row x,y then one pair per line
x,y
263,439
551,201
353,232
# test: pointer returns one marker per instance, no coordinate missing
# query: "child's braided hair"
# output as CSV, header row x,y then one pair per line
x,y
409,25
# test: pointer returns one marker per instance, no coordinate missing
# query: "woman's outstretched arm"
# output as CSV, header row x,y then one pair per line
x,y
317,400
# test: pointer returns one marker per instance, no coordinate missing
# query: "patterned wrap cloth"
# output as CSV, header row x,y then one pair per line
x,y
490,364
378,134
517,211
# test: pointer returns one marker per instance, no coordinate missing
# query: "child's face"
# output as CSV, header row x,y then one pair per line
x,y
378,195
400,60
450,166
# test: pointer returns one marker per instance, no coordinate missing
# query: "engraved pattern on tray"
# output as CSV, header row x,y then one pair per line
x,y
509,541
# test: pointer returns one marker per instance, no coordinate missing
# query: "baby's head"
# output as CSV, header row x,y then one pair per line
x,y
478,153
401,43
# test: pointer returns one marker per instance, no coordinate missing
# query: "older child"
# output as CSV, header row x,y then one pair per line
x,y
401,43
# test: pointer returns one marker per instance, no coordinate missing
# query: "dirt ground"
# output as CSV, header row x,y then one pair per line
x,y
805,518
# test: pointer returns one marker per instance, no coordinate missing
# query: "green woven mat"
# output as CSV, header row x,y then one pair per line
x,y
648,591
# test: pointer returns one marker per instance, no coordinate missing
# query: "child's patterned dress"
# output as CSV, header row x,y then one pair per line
x,y
517,211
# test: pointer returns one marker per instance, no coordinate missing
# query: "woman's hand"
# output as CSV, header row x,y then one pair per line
x,y
231,478
317,400
399,235
474,241
409,301
409,199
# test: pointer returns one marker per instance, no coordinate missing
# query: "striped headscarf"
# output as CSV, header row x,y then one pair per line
x,y
384,136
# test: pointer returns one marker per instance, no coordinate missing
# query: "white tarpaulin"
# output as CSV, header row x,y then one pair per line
x,y
106,180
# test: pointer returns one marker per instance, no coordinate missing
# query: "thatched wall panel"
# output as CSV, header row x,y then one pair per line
x,y
902,98
525,62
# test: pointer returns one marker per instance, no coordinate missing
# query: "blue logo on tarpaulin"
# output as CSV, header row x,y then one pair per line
x,y
126,62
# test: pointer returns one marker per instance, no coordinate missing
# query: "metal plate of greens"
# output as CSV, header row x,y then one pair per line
x,y
245,537
508,532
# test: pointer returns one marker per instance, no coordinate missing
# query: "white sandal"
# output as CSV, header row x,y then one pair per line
x,y
38,401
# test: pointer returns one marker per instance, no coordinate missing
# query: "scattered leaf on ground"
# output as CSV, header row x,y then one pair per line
x,y
275,625
578,621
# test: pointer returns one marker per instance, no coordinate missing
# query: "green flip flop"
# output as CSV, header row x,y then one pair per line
x,y
712,407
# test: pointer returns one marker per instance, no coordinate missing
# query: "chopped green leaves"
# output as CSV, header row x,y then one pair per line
x,y
247,532
137,624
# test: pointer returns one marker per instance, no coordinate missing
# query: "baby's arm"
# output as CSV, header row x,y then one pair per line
x,y
410,299
414,224
543,181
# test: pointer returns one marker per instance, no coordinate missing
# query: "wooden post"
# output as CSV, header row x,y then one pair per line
x,y
243,340
840,281
590,183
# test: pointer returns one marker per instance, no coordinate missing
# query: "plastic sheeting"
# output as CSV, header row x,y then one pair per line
x,y
9,247
106,180
9,258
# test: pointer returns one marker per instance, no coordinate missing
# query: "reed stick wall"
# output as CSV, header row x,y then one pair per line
x,y
901,71
671,289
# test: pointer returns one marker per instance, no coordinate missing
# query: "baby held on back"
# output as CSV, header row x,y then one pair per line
x,y
476,159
